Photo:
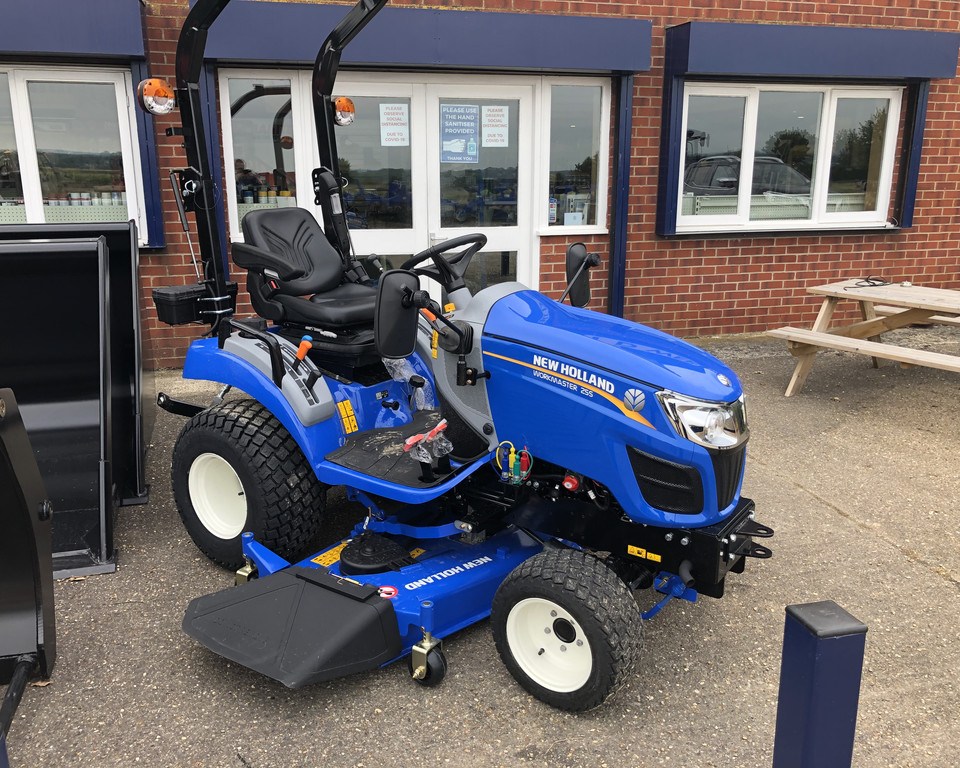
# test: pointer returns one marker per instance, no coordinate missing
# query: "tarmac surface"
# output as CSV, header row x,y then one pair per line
x,y
859,475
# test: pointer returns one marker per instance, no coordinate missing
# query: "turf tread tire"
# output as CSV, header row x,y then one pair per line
x,y
285,501
602,603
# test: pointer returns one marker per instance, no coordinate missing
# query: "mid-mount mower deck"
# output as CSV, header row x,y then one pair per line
x,y
518,457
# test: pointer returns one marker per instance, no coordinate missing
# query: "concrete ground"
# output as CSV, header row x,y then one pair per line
x,y
859,475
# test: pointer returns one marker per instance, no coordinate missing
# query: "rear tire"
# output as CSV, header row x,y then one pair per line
x,y
236,468
567,628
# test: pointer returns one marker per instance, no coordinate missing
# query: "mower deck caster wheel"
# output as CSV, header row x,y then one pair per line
x,y
436,669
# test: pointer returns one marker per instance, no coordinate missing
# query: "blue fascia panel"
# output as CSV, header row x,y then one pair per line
x,y
774,50
435,38
149,166
71,28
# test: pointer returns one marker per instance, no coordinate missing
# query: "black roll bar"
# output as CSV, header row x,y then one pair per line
x,y
325,74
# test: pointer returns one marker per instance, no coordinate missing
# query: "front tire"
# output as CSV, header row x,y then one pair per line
x,y
236,468
567,628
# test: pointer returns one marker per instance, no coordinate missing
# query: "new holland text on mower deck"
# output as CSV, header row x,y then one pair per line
x,y
518,457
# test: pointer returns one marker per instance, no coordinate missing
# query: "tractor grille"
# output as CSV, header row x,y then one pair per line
x,y
728,467
665,485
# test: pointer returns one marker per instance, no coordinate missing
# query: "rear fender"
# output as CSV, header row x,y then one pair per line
x,y
306,415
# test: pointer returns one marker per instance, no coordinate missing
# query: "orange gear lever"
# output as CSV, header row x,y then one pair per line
x,y
306,344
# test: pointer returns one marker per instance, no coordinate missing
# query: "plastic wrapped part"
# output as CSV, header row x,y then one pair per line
x,y
420,453
439,444
401,370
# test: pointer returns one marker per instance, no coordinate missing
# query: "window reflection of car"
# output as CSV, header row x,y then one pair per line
x,y
720,175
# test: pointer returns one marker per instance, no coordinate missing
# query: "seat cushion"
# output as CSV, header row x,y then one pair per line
x,y
347,305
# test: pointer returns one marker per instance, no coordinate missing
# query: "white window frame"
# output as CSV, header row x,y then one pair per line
x,y
820,218
603,158
121,80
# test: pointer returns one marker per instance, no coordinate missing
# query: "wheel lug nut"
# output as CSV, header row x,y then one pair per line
x,y
546,630
563,647
553,614
579,642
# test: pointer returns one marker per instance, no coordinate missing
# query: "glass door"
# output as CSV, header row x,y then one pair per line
x,y
479,156
382,159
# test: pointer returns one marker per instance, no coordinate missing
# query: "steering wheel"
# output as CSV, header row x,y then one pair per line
x,y
447,270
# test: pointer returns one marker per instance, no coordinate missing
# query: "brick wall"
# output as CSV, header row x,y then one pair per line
x,y
687,286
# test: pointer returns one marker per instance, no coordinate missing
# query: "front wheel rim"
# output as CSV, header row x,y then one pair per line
x,y
217,496
549,645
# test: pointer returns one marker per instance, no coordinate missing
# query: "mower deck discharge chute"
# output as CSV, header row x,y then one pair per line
x,y
517,458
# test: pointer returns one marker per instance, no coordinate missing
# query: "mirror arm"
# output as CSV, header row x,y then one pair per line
x,y
592,260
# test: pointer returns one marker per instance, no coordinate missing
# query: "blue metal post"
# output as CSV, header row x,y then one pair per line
x,y
819,687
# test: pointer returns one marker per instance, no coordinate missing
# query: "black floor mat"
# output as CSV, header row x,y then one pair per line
x,y
379,452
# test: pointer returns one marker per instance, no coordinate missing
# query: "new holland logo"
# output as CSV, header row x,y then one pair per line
x,y
634,399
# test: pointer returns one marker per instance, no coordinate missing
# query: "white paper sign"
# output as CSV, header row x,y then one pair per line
x,y
394,125
495,126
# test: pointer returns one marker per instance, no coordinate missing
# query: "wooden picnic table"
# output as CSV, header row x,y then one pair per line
x,y
883,307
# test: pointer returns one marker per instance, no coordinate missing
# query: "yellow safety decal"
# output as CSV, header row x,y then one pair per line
x,y
347,417
433,344
415,553
451,307
606,396
331,556
642,553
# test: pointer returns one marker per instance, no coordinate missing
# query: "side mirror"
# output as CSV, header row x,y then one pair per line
x,y
578,278
396,317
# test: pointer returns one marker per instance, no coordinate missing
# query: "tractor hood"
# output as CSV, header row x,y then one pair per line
x,y
612,344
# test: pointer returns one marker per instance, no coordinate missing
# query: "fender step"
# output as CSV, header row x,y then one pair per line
x,y
298,626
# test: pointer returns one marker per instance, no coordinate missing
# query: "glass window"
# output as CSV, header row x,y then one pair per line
x,y
77,137
479,162
575,113
67,147
375,161
858,139
12,210
714,148
769,157
263,148
788,123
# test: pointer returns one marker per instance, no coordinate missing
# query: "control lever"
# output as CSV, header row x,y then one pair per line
x,y
374,261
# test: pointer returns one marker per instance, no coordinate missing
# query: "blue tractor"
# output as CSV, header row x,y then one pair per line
x,y
518,457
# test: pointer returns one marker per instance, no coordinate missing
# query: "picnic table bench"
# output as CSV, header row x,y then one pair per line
x,y
883,307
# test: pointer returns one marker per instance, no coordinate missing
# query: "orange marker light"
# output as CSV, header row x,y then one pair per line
x,y
345,110
156,96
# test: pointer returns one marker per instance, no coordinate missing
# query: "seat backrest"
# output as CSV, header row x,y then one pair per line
x,y
295,233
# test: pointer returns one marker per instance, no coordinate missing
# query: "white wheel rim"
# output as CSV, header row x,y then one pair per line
x,y
217,496
549,645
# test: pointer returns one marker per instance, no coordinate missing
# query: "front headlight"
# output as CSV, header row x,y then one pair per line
x,y
713,425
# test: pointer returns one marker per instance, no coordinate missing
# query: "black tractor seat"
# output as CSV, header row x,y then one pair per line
x,y
297,279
